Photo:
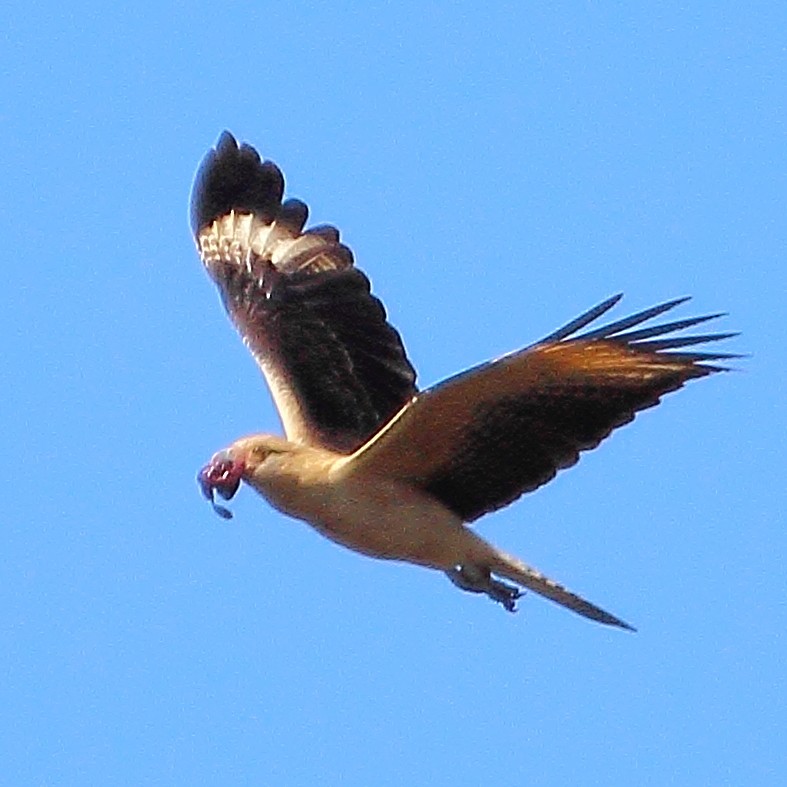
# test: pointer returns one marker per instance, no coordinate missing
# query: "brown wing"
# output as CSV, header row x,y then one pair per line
x,y
337,370
483,438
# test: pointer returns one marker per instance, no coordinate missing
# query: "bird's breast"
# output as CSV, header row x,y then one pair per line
x,y
377,517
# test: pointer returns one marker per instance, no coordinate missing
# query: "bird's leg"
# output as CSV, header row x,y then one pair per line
x,y
221,475
476,579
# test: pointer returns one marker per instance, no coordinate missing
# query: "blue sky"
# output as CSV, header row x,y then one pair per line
x,y
496,170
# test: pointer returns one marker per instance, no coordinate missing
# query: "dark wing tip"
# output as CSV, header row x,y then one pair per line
x,y
615,330
233,177
650,339
578,323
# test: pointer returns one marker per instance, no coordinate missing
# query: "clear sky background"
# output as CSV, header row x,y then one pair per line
x,y
496,170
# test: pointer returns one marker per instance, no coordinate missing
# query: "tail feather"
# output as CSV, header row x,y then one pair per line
x,y
528,577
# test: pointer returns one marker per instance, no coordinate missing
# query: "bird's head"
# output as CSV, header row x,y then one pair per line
x,y
227,468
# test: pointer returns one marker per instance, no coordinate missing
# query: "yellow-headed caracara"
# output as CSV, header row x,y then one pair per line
x,y
370,461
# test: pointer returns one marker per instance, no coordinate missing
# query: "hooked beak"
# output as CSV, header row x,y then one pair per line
x,y
223,476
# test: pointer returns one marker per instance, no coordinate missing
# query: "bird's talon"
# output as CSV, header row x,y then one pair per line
x,y
507,595
476,580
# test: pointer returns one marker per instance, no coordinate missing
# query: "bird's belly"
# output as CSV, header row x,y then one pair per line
x,y
386,520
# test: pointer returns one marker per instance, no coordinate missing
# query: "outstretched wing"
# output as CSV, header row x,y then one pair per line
x,y
337,370
483,438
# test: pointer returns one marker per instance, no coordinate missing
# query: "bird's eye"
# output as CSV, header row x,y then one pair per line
x,y
262,452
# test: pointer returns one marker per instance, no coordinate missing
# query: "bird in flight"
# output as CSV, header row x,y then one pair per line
x,y
369,460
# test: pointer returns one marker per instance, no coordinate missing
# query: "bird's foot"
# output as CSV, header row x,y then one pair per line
x,y
221,475
475,579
